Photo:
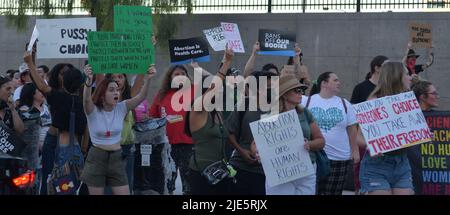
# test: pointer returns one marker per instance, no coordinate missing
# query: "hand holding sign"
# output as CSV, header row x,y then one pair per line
x,y
151,72
256,48
27,58
89,74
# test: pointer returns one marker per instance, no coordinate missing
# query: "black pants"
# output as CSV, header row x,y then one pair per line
x,y
200,186
149,177
181,154
248,183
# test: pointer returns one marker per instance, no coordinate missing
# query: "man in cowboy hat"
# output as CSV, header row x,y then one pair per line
x,y
410,61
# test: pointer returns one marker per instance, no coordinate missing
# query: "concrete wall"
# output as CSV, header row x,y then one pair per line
x,y
343,43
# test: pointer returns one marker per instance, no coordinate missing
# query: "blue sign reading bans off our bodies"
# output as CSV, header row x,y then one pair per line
x,y
274,42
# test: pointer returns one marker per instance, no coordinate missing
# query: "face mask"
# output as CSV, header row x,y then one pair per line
x,y
411,63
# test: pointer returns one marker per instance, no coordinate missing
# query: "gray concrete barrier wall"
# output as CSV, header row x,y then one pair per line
x,y
343,43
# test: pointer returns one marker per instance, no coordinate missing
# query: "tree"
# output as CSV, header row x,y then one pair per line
x,y
165,23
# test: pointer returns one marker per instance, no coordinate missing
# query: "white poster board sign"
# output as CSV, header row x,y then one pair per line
x,y
233,37
279,140
33,39
216,38
392,122
64,38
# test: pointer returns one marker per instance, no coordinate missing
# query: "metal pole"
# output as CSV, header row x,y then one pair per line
x,y
304,6
358,6
269,5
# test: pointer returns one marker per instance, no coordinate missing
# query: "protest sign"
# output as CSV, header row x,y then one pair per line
x,y
233,37
33,39
430,161
10,143
133,19
392,122
111,52
420,35
216,38
64,38
273,42
279,140
186,50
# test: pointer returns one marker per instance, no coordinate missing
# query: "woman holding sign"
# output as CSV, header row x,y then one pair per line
x,y
388,173
8,114
291,92
210,138
105,116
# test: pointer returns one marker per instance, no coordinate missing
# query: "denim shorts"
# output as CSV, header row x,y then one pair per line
x,y
385,173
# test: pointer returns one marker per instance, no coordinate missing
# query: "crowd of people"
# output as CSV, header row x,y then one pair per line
x,y
97,115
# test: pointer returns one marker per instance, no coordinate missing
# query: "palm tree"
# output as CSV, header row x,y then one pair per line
x,y
165,23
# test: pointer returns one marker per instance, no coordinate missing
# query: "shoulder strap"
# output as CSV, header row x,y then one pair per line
x,y
308,101
345,105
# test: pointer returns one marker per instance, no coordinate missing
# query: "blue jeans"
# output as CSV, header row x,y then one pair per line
x,y
48,159
385,173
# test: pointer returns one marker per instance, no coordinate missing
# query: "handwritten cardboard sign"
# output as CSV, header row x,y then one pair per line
x,y
421,35
392,122
64,38
279,140
233,36
216,38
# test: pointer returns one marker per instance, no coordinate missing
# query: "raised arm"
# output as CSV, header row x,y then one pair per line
x,y
430,59
406,52
135,101
88,104
250,66
138,82
40,83
19,127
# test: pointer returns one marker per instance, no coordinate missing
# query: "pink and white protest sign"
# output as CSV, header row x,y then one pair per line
x,y
232,35
392,122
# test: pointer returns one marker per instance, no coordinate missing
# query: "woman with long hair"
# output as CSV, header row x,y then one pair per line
x,y
162,107
388,173
105,115
291,92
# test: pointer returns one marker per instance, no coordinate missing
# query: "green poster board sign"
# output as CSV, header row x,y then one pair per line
x,y
112,52
133,19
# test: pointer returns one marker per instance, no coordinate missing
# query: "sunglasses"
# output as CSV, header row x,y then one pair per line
x,y
299,90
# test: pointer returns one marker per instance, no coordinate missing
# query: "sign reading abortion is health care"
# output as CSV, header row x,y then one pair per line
x,y
273,42
392,122
279,140
186,50
64,38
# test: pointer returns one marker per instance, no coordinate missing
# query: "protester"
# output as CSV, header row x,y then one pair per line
x,y
14,75
426,94
388,173
104,163
291,92
43,72
8,113
337,121
181,144
300,69
250,179
63,97
24,79
209,135
360,94
30,108
127,140
250,65
410,60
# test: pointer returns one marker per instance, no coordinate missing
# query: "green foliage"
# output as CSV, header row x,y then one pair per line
x,y
165,24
